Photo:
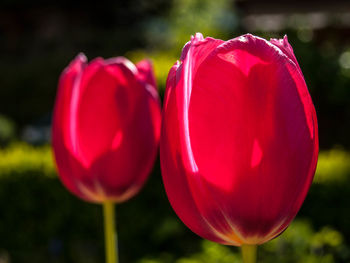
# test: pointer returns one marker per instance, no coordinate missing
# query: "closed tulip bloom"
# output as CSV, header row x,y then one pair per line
x,y
239,140
106,127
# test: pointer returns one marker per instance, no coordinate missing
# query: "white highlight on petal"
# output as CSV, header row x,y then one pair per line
x,y
73,107
121,60
74,112
197,37
187,97
152,90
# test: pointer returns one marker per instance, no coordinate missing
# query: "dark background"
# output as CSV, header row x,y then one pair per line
x,y
41,222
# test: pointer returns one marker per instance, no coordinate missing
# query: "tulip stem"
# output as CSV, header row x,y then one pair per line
x,y
110,232
249,253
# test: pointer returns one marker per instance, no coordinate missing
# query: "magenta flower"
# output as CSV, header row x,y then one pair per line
x,y
239,140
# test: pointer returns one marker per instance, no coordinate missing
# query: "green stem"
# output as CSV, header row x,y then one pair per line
x,y
249,253
110,233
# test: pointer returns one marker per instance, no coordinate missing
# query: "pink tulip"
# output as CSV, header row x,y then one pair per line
x,y
106,127
239,140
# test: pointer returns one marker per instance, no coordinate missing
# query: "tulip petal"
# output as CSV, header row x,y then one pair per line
x,y
239,140
175,158
286,48
68,84
137,117
62,127
121,177
252,112
146,75
106,128
173,170
145,72
104,106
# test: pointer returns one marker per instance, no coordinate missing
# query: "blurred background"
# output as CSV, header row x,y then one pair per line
x,y
41,222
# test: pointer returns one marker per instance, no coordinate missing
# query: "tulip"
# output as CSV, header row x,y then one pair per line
x,y
239,139
106,129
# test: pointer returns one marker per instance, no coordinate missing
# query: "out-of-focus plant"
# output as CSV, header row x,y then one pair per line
x,y
212,18
50,228
212,252
300,243
333,166
186,17
21,158
165,35
7,130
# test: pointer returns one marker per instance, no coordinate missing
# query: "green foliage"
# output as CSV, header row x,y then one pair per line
x,y
300,243
327,203
212,252
166,36
333,166
7,130
40,220
21,158
211,18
